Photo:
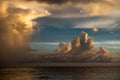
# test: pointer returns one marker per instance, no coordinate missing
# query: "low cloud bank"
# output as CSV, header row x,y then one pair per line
x,y
82,47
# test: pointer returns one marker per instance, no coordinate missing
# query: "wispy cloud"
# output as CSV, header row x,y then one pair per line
x,y
45,43
97,43
108,42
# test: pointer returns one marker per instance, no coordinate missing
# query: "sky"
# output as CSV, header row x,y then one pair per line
x,y
69,17
57,20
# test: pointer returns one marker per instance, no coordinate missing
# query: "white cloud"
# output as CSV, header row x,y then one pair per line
x,y
108,42
99,23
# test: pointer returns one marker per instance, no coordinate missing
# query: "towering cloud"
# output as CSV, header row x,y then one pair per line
x,y
82,50
78,44
16,23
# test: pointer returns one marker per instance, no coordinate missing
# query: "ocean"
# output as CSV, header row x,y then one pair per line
x,y
60,73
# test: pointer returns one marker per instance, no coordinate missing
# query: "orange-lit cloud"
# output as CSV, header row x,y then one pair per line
x,y
16,26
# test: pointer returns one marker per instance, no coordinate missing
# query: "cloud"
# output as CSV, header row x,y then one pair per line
x,y
78,13
16,20
109,42
83,46
100,23
74,1
46,43
79,22
91,6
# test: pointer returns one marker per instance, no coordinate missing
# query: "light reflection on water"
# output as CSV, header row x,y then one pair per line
x,y
76,73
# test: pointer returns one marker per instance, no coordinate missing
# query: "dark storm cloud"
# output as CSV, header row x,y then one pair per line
x,y
73,1
53,1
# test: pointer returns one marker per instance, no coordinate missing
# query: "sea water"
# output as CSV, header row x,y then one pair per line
x,y
60,73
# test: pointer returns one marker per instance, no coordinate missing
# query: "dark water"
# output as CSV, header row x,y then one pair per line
x,y
64,73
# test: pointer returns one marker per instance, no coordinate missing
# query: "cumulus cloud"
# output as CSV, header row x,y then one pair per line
x,y
16,18
80,43
16,27
83,48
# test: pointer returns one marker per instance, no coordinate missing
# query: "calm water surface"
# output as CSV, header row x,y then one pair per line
x,y
65,73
